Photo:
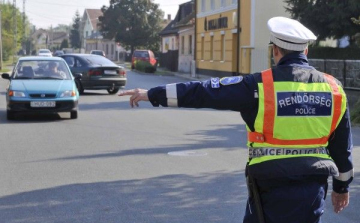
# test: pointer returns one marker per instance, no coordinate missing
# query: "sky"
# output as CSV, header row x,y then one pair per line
x,y
47,13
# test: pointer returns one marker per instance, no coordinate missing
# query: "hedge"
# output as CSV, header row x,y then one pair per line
x,y
349,53
144,66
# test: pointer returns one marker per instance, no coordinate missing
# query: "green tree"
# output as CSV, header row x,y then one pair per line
x,y
326,18
135,24
357,36
8,30
75,40
64,44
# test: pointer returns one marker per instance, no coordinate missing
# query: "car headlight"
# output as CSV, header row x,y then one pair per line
x,y
68,94
18,94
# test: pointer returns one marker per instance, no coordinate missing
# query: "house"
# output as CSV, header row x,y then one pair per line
x,y
56,38
186,32
232,36
92,39
40,38
178,29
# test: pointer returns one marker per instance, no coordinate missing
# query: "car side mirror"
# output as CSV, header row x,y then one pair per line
x,y
77,75
5,76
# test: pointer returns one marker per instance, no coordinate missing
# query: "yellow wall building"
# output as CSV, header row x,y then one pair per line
x,y
232,36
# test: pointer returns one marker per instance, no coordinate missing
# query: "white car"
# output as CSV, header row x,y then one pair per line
x,y
45,53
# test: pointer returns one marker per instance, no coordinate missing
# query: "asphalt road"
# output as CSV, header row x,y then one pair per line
x,y
115,164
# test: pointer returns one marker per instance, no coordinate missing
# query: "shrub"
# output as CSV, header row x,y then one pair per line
x,y
355,114
349,53
144,66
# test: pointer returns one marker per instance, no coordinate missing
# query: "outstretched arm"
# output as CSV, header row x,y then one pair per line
x,y
136,96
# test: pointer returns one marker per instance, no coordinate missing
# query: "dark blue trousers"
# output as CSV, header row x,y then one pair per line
x,y
300,202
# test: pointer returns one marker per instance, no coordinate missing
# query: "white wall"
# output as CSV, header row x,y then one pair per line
x,y
169,43
262,11
185,58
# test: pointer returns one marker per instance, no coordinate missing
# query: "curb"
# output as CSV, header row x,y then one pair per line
x,y
169,73
154,74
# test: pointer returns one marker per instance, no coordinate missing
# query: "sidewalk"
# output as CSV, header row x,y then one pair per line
x,y
164,71
196,77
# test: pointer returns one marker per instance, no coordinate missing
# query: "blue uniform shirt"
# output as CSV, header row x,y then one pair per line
x,y
241,95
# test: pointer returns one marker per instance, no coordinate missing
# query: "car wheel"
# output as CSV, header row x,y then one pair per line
x,y
10,115
79,87
73,114
113,90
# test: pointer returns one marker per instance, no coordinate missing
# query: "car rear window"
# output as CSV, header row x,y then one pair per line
x,y
99,60
141,54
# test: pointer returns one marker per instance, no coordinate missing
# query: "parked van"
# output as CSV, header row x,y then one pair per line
x,y
144,55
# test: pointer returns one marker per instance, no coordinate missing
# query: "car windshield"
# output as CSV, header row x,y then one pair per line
x,y
96,60
42,69
44,51
141,54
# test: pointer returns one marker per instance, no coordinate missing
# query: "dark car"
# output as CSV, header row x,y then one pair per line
x,y
33,87
58,53
98,72
98,52
144,55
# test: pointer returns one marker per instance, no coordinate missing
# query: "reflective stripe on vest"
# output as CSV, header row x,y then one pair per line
x,y
267,135
273,151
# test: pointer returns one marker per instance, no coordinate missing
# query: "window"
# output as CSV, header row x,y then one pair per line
x,y
203,5
234,2
112,48
212,48
202,48
107,49
190,44
79,63
212,4
70,61
223,3
86,35
182,45
222,47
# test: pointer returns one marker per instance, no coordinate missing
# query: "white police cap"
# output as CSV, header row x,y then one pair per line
x,y
289,34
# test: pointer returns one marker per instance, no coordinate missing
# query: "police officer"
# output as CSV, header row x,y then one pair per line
x,y
298,124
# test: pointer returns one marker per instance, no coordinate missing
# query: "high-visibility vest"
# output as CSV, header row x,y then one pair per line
x,y
295,115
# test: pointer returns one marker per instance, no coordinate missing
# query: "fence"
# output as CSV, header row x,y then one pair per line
x,y
346,71
170,60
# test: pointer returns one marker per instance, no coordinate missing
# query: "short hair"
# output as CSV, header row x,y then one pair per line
x,y
285,51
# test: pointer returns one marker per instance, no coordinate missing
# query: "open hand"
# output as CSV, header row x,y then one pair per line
x,y
339,201
136,96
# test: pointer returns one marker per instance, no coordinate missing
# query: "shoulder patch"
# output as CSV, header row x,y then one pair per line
x,y
215,82
231,80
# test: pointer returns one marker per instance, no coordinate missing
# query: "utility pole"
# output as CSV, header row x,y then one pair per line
x,y
1,55
15,30
24,29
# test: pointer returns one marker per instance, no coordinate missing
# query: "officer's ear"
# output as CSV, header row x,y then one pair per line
x,y
306,51
276,51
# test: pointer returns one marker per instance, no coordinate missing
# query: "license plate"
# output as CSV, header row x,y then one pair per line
x,y
110,72
42,104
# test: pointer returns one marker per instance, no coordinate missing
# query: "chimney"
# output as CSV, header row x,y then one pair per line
x,y
169,17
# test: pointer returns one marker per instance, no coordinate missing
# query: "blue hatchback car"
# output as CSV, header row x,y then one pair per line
x,y
41,85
